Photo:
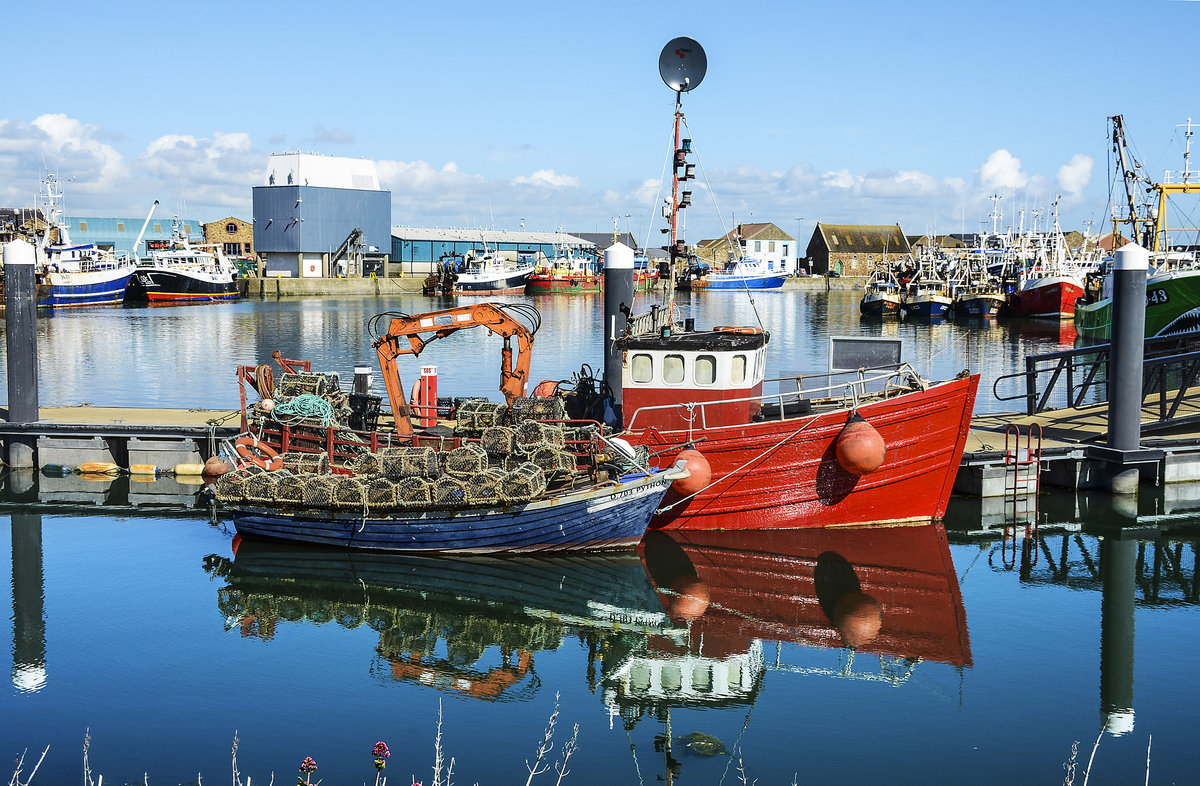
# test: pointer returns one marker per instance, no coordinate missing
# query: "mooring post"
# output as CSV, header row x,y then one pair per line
x,y
1118,578
20,323
1130,267
618,294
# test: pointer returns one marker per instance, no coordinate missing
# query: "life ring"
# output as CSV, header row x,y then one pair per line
x,y
258,453
746,331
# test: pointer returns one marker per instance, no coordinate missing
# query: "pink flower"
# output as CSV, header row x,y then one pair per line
x,y
308,765
380,751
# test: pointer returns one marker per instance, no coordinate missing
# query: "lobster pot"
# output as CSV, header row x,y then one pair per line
x,y
316,384
445,407
413,493
381,492
532,435
231,486
289,489
498,440
349,493
260,487
449,492
306,463
477,414
554,460
534,408
399,463
466,461
318,492
484,488
367,464
523,483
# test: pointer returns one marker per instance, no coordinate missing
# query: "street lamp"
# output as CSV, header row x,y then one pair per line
x,y
798,220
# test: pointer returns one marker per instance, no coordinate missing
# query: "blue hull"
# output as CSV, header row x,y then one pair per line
x,y
927,309
96,293
977,307
606,518
738,282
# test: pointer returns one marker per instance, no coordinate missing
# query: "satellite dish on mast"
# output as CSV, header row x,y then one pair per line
x,y
682,64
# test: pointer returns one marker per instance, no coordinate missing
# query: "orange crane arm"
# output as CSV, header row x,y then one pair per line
x,y
497,318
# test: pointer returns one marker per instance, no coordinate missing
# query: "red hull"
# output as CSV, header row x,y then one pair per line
x,y
785,474
540,284
888,590
1055,298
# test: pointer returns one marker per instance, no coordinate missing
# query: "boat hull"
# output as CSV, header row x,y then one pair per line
x,y
613,517
784,474
716,281
1053,297
1172,308
92,288
549,284
155,285
879,306
930,307
513,283
979,305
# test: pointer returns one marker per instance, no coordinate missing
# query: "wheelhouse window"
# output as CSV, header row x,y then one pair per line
x,y
738,372
705,372
673,373
641,368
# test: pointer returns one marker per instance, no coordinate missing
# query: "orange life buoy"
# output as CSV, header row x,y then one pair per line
x,y
748,331
257,453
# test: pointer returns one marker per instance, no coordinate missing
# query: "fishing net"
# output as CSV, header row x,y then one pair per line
x,y
318,492
536,408
399,463
523,483
477,414
308,463
381,492
413,493
349,492
498,441
466,461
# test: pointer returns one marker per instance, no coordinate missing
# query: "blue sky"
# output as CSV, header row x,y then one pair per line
x,y
484,114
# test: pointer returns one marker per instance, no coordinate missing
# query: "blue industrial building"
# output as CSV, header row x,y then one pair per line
x,y
119,234
416,250
321,216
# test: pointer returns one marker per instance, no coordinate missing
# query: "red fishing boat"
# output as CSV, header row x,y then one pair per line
x,y
829,449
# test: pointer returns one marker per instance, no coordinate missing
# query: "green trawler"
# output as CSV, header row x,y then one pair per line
x,y
1172,306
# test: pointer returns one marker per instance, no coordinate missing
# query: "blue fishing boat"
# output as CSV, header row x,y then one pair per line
x,y
608,515
738,274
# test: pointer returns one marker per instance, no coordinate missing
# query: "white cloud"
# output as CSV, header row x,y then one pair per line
x,y
1002,170
548,178
1075,175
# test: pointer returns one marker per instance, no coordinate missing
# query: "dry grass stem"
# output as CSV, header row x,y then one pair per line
x,y
20,764
567,751
540,765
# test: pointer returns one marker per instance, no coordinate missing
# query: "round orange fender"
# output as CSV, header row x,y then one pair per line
x,y
860,448
546,388
748,331
700,472
258,454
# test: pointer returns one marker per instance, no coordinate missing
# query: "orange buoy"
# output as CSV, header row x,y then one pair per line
x,y
546,388
266,405
689,600
858,618
215,466
860,448
700,472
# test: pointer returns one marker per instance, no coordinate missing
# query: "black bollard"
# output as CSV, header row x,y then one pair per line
x,y
1125,359
1118,577
618,293
20,322
29,604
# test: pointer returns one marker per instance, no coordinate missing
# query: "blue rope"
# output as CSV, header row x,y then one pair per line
x,y
301,408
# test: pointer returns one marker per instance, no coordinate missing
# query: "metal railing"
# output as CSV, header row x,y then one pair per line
x,y
1074,378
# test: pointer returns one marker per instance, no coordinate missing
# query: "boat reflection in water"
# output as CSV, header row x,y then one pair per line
x,y
438,617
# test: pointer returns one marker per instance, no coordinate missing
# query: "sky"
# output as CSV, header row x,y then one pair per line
x,y
553,114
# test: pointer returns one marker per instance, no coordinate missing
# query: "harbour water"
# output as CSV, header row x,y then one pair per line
x,y
969,653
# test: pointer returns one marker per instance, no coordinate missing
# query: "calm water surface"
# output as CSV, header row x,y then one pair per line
x,y
968,654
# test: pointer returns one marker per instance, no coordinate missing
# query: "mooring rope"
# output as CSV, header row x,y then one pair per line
x,y
301,408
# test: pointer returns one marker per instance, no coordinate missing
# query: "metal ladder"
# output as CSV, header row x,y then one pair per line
x,y
1023,486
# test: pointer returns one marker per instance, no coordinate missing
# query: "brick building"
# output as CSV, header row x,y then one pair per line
x,y
852,249
233,235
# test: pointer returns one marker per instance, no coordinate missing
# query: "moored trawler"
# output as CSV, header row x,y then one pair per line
x,y
182,273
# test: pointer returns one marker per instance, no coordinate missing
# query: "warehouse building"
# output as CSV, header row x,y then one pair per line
x,y
852,249
320,216
417,250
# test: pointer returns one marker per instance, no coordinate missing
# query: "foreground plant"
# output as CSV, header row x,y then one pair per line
x,y
381,754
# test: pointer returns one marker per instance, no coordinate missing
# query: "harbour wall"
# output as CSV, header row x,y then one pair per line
x,y
280,287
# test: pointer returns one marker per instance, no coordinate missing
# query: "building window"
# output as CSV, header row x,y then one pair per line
x,y
82,226
706,370
232,249
673,369
641,369
771,245
158,228
833,237
247,248
120,227
785,249
231,228
187,228
758,245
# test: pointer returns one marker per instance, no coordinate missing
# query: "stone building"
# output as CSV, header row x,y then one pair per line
x,y
763,242
852,249
233,235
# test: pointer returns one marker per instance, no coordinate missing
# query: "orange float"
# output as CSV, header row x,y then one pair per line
x,y
860,447
700,472
546,388
258,454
